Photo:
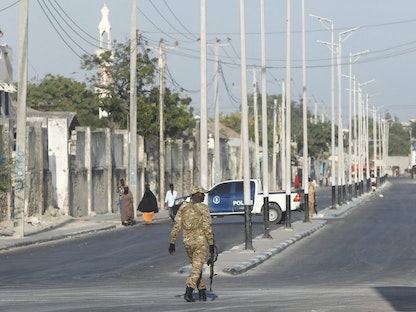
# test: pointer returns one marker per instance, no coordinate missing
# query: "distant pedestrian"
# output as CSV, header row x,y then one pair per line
x,y
120,191
170,197
373,181
311,197
297,181
148,205
194,219
127,210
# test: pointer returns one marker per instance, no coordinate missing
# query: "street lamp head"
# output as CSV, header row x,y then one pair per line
x,y
1,33
359,53
346,34
349,30
365,83
321,18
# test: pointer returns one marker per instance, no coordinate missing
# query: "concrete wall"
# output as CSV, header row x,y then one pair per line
x,y
77,172
58,157
6,144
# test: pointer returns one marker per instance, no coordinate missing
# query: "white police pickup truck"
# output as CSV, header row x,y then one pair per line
x,y
227,198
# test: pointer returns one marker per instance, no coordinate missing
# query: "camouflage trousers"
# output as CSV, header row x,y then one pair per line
x,y
197,255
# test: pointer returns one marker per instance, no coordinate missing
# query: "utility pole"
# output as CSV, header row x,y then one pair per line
x,y
20,201
244,130
204,115
288,115
133,105
217,174
162,66
256,124
264,127
282,126
375,140
276,121
161,122
305,173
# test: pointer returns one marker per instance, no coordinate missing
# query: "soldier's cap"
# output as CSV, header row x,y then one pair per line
x,y
198,189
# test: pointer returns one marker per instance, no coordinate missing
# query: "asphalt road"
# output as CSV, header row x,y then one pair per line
x,y
364,261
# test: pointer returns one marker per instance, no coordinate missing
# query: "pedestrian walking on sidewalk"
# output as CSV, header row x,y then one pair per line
x,y
120,191
195,221
127,210
148,205
170,197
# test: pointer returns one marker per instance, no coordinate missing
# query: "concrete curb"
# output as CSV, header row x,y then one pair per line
x,y
335,213
251,263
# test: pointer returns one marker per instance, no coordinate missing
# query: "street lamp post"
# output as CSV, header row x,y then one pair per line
x,y
342,36
324,22
362,135
288,116
305,124
353,58
264,126
375,141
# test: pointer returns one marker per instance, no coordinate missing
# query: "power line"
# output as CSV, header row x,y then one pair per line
x,y
65,21
9,6
157,27
170,24
179,21
53,26
77,26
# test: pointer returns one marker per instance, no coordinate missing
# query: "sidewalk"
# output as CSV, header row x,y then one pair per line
x,y
235,261
56,228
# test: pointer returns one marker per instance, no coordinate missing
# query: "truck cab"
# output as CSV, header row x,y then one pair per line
x,y
227,198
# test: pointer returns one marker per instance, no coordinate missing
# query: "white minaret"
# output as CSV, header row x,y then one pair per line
x,y
105,78
105,27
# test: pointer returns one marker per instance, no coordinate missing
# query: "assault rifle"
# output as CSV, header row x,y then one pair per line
x,y
211,260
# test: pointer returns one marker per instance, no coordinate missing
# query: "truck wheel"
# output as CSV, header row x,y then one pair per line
x,y
275,213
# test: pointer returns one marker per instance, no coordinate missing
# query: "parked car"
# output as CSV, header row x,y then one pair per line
x,y
227,198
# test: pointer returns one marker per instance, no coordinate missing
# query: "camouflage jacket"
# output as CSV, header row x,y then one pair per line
x,y
195,221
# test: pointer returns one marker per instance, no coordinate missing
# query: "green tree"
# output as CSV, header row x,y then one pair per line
x,y
232,121
399,140
413,125
58,93
115,99
319,139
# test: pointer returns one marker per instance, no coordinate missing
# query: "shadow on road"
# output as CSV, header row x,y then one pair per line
x,y
401,298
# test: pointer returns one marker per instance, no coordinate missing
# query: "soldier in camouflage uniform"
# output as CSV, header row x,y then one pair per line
x,y
194,218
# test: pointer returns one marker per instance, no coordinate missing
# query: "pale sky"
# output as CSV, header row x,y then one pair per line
x,y
61,31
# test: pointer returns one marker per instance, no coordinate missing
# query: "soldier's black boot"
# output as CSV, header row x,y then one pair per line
x,y
188,294
202,295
